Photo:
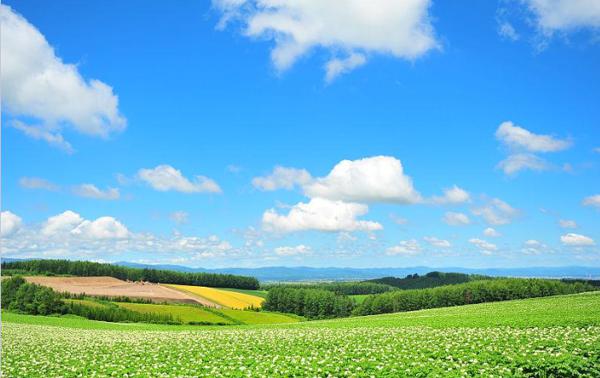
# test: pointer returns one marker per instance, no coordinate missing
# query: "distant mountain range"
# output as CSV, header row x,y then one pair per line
x,y
302,273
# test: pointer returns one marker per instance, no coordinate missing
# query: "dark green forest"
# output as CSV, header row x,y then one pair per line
x,y
431,279
88,269
307,302
467,293
346,288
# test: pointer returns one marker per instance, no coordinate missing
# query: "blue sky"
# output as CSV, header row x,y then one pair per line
x,y
406,133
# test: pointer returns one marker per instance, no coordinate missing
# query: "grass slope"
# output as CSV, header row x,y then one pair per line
x,y
186,314
542,337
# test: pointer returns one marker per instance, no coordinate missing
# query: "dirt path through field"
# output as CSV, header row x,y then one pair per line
x,y
113,287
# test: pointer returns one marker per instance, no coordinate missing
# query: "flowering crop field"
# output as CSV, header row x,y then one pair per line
x,y
560,337
226,298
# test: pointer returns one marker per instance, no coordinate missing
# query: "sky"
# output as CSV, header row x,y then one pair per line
x,y
246,133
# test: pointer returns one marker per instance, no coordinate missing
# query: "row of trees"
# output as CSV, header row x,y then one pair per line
x,y
467,293
345,288
431,279
26,298
87,268
310,303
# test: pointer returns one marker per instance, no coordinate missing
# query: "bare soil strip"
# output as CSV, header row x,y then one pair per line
x,y
113,287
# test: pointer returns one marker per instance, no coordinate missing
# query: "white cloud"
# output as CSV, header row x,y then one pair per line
x,y
597,150
483,245
491,233
506,30
439,243
166,178
61,223
68,235
405,248
456,219
36,84
337,66
565,223
593,201
576,240
293,251
37,183
565,15
9,223
351,28
179,217
282,178
454,195
91,191
373,179
533,247
496,212
519,162
101,228
519,138
322,215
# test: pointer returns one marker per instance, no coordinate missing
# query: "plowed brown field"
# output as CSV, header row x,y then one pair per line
x,y
113,287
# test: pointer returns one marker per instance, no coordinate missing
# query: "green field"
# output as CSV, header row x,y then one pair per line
x,y
185,314
553,336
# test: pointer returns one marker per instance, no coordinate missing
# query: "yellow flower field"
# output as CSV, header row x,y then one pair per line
x,y
224,298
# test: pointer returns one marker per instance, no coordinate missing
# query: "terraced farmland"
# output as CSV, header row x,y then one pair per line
x,y
554,336
222,297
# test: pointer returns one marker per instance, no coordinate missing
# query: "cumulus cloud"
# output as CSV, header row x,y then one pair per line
x,y
69,235
347,29
519,162
405,248
576,240
293,251
61,223
322,215
456,219
373,179
37,183
483,245
496,212
38,85
179,217
166,178
523,144
565,15
566,223
593,201
91,191
519,138
454,195
101,228
491,233
9,223
282,178
435,242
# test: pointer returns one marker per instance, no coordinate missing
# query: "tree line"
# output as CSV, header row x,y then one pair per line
x,y
345,288
431,279
308,302
467,293
26,298
88,268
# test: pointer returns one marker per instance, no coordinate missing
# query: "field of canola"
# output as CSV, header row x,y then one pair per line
x,y
559,337
226,298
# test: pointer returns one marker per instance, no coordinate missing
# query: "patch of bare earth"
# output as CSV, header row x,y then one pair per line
x,y
113,287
